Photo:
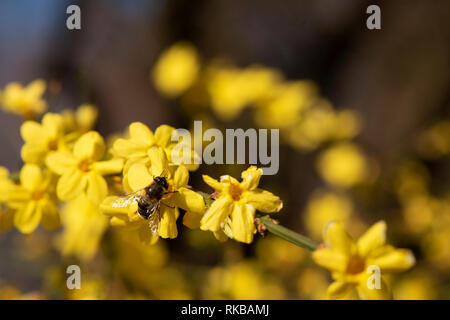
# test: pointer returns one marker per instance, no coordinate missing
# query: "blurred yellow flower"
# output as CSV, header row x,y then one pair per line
x,y
278,254
312,284
82,170
80,121
176,69
41,139
244,280
343,165
284,104
349,262
321,123
25,101
324,207
34,200
236,204
84,226
435,141
417,286
232,89
141,175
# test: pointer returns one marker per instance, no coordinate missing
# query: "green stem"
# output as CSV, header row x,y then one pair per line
x,y
288,235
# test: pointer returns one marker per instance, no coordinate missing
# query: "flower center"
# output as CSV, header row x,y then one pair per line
x,y
235,192
53,145
355,265
84,165
37,195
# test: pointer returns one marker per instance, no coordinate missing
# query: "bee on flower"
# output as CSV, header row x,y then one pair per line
x,y
140,176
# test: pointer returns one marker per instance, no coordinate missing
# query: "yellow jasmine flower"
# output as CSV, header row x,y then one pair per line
x,y
141,140
322,123
82,170
80,121
41,139
34,200
141,175
25,101
285,104
84,226
343,165
232,89
177,69
350,262
236,203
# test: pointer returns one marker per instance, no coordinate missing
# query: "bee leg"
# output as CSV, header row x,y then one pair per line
x,y
168,206
167,192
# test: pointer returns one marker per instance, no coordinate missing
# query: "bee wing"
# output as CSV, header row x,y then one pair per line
x,y
126,200
154,219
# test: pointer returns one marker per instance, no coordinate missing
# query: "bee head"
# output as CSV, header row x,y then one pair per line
x,y
162,181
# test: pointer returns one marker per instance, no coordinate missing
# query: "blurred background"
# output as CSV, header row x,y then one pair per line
x,y
384,94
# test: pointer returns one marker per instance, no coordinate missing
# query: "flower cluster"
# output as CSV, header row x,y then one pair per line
x,y
71,177
305,118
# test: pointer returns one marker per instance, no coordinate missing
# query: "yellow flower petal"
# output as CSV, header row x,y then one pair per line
x,y
163,135
89,146
138,176
32,131
36,88
108,167
250,178
31,177
60,162
187,199
216,214
159,163
70,185
118,222
168,224
180,177
374,238
31,153
97,189
192,220
213,183
337,238
396,260
141,134
330,259
129,149
220,235
53,124
263,200
339,289
365,293
242,222
27,219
